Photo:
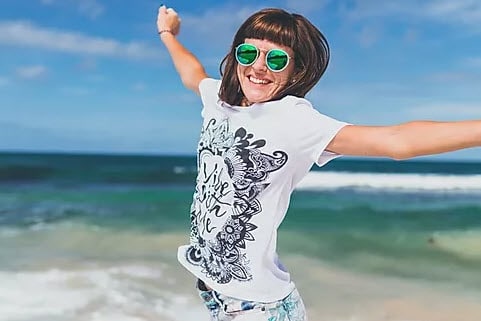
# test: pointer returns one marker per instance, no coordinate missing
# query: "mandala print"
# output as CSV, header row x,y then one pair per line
x,y
232,172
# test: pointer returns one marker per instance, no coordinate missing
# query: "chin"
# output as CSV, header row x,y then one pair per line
x,y
257,97
254,100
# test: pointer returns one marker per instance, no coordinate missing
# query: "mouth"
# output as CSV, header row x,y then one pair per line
x,y
258,81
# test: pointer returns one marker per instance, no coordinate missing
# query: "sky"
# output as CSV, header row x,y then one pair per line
x,y
93,76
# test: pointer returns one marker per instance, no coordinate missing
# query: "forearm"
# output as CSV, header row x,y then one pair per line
x,y
187,65
407,140
420,138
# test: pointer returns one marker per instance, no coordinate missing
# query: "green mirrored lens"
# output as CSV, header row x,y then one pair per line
x,y
277,59
246,54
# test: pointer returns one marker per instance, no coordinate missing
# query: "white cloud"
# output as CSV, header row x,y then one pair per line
x,y
221,22
393,102
76,91
4,81
361,9
31,72
139,86
446,111
455,76
369,35
473,62
87,64
89,8
306,6
410,35
17,136
458,13
22,33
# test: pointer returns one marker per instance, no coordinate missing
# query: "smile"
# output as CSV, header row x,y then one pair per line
x,y
258,81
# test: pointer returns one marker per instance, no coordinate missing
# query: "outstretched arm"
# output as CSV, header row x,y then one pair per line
x,y
190,69
407,140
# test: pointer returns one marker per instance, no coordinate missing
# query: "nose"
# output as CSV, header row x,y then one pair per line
x,y
260,63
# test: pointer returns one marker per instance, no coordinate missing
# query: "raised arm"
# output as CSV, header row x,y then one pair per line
x,y
190,69
407,140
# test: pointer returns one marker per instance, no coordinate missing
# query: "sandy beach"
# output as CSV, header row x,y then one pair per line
x,y
347,296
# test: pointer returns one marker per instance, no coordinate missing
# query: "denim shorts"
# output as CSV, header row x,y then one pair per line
x,y
224,308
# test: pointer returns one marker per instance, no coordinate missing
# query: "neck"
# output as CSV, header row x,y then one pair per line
x,y
245,102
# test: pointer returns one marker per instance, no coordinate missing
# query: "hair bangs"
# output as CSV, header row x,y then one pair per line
x,y
276,27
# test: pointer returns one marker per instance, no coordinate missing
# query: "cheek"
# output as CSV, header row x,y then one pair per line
x,y
284,77
289,71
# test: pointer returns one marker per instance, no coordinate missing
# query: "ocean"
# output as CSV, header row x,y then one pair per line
x,y
94,237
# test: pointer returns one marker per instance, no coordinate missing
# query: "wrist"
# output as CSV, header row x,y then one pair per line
x,y
164,32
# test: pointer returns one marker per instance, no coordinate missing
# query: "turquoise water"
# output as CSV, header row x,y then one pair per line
x,y
117,220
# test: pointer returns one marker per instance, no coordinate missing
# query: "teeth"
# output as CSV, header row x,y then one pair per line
x,y
258,81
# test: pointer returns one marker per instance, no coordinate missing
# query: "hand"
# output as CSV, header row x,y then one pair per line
x,y
167,19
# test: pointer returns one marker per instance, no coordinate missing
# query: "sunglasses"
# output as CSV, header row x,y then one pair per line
x,y
247,54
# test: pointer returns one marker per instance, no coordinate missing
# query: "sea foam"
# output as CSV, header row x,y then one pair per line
x,y
335,180
120,293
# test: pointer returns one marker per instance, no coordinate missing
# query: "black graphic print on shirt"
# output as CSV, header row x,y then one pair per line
x,y
232,172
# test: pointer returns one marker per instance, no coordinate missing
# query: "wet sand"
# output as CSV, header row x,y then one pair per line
x,y
332,294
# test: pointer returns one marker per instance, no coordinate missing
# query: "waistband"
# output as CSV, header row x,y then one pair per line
x,y
229,305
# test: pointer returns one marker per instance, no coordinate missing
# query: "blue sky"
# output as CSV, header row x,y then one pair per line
x,y
92,75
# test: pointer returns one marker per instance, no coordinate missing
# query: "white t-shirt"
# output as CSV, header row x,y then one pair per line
x,y
249,162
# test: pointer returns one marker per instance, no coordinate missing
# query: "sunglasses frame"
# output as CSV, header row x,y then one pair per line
x,y
266,57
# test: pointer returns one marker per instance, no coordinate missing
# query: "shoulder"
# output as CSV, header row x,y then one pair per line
x,y
289,105
298,107
304,115
294,101
209,90
209,82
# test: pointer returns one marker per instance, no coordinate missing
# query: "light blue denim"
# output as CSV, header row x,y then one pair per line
x,y
224,308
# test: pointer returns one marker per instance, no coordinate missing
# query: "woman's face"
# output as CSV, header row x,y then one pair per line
x,y
259,83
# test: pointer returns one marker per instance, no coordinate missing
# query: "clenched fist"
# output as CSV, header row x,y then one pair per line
x,y
168,19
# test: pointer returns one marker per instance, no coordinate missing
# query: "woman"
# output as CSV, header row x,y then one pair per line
x,y
259,138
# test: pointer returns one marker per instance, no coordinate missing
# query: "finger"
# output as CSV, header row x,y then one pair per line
x,y
170,10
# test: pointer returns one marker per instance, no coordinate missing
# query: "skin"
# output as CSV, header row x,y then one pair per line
x,y
258,83
190,69
402,141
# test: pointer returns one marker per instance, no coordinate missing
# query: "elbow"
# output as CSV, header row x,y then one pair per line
x,y
188,83
192,78
396,146
401,152
399,148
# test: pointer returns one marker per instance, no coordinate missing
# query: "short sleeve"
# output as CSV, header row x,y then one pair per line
x,y
209,93
314,131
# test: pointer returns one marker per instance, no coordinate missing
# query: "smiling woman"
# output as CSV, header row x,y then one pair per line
x,y
259,139
268,30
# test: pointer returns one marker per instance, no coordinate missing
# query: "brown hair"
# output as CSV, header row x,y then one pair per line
x,y
311,52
